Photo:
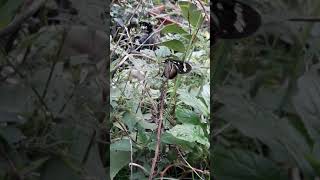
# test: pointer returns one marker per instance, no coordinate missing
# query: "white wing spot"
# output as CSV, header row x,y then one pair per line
x,y
240,23
184,67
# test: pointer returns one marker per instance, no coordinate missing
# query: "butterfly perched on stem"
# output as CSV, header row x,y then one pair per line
x,y
174,67
233,19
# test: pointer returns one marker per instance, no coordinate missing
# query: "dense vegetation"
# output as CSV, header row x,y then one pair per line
x,y
141,96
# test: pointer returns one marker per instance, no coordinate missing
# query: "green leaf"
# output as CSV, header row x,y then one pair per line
x,y
170,139
193,101
243,165
284,141
175,45
118,159
190,133
162,51
130,120
173,28
187,116
143,136
8,11
122,145
191,13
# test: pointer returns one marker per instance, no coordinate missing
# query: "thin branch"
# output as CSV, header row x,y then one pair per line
x,y
18,20
131,159
162,173
46,108
193,169
159,123
204,10
139,166
55,60
87,153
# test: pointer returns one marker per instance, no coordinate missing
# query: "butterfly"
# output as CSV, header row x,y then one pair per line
x,y
173,67
233,19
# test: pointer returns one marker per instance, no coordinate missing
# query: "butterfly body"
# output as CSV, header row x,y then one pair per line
x,y
233,19
174,67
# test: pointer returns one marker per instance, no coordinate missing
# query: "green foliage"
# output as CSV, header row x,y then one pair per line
x,y
267,97
175,45
186,114
191,13
8,10
239,164
50,98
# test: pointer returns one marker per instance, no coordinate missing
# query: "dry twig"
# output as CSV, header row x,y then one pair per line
x,y
159,123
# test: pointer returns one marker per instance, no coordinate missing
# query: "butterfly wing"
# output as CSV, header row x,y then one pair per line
x,y
233,19
182,67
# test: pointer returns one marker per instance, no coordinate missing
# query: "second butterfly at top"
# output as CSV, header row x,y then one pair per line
x,y
233,19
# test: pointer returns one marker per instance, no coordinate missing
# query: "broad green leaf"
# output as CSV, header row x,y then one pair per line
x,y
187,116
191,13
122,145
170,139
243,165
118,160
193,101
130,120
147,125
176,29
173,28
285,142
175,45
190,133
143,136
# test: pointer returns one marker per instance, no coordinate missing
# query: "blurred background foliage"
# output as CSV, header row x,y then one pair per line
x,y
266,97
52,115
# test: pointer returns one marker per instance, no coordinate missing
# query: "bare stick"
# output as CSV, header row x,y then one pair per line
x,y
156,153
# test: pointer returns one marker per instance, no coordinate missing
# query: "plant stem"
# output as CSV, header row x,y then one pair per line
x,y
156,153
